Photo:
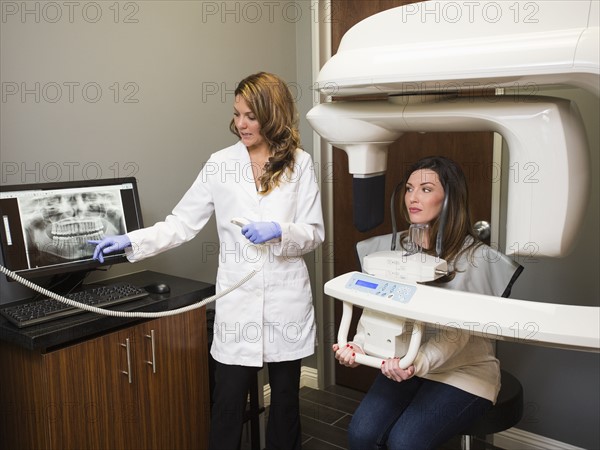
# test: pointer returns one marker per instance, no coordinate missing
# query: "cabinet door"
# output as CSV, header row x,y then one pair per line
x,y
144,387
22,399
172,361
91,403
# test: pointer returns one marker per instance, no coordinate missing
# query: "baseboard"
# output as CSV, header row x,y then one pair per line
x,y
308,378
516,439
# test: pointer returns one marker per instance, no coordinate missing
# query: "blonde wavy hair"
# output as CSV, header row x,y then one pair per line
x,y
271,101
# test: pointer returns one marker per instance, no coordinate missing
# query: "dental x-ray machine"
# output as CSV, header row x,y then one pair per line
x,y
422,61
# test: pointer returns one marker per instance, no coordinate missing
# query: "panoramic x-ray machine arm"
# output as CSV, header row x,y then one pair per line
x,y
422,65
545,138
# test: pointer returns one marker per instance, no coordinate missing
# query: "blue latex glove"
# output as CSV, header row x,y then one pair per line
x,y
259,232
108,245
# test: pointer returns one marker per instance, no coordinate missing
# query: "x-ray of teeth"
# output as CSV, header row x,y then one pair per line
x,y
57,227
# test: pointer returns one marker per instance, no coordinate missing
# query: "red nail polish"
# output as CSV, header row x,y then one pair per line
x,y
382,362
352,347
353,354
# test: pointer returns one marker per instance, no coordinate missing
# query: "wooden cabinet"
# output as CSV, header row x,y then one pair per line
x,y
142,387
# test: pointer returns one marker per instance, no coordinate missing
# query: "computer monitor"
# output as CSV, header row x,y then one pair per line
x,y
45,228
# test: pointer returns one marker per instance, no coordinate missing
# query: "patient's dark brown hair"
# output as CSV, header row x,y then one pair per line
x,y
458,215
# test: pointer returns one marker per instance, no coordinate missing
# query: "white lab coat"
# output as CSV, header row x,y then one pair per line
x,y
270,318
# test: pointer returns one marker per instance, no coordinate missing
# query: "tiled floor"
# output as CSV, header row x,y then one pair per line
x,y
326,414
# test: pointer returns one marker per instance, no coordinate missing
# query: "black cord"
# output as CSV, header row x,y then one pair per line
x,y
440,234
393,212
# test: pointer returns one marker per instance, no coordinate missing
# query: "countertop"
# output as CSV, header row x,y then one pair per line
x,y
183,292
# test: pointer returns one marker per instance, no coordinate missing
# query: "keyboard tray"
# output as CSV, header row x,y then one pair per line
x,y
45,310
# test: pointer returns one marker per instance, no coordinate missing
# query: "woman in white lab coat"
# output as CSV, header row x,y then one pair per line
x,y
455,376
269,182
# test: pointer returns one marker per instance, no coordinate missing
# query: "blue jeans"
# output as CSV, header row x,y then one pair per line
x,y
414,414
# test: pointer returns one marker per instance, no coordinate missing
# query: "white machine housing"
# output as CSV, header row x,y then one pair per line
x,y
452,46
420,62
417,59
546,324
546,140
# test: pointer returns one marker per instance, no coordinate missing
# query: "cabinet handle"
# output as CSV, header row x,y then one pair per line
x,y
128,371
153,361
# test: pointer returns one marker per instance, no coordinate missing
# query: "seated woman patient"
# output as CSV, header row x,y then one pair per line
x,y
455,376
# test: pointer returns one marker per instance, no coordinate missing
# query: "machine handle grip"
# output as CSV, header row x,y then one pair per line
x,y
372,361
367,360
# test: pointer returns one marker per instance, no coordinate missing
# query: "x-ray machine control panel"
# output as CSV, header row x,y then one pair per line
x,y
382,288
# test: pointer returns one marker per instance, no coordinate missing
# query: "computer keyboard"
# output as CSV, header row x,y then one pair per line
x,y
45,310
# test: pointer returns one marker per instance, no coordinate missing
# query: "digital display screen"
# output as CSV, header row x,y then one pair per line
x,y
45,228
366,284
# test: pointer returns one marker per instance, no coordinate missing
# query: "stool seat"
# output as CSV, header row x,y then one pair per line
x,y
507,411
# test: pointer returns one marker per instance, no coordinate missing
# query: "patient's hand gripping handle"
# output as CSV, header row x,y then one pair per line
x,y
405,362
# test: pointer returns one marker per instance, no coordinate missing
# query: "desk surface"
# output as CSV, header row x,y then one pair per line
x,y
85,325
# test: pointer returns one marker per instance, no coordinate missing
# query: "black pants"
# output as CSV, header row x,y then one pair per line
x,y
230,395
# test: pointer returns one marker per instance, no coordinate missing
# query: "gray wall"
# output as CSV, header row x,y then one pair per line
x,y
105,89
562,392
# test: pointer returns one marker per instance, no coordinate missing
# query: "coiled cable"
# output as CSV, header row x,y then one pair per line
x,y
138,314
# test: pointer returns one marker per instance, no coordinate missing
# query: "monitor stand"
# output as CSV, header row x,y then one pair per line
x,y
63,284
